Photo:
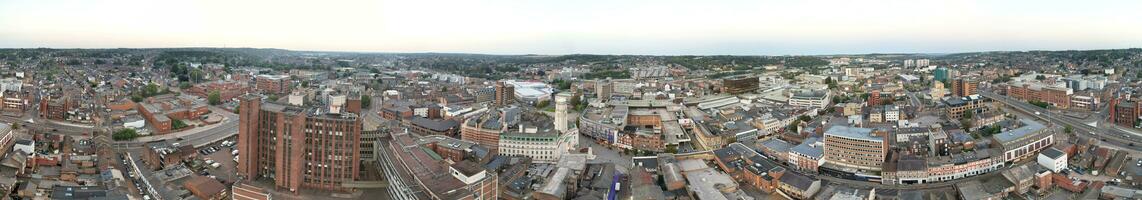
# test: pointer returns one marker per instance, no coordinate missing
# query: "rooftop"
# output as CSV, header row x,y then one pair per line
x,y
853,133
1028,129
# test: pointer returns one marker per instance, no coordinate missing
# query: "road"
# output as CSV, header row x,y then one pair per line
x,y
198,137
1109,134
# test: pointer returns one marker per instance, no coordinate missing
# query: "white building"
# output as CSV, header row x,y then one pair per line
x,y
562,102
545,147
810,99
891,113
1053,159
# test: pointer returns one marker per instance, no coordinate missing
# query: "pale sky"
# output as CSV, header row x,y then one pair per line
x,y
657,27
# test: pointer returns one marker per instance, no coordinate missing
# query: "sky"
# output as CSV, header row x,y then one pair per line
x,y
651,27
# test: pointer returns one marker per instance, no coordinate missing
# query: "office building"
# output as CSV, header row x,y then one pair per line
x,y
314,147
740,84
1124,112
273,84
1058,97
505,93
964,87
855,148
941,74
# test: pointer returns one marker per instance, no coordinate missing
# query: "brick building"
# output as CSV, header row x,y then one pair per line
x,y
298,147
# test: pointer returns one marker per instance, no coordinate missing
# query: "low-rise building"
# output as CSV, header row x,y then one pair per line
x,y
810,99
1052,159
1025,141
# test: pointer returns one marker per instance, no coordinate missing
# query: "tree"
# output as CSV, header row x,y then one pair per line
x,y
125,134
804,118
366,101
1040,77
184,85
178,124
151,89
15,125
542,104
792,128
1068,129
965,124
215,98
968,114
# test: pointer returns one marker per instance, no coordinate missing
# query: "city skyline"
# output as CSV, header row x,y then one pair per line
x,y
591,27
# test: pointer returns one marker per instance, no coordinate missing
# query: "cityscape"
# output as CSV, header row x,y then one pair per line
x,y
591,100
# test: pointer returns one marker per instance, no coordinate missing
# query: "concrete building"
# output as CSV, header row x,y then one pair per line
x,y
956,107
810,99
937,92
298,147
1023,142
1052,159
562,104
535,138
855,148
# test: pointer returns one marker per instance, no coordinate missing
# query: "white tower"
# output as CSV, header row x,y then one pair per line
x,y
562,101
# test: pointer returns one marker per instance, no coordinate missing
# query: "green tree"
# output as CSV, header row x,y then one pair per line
x,y
542,104
125,134
1068,129
215,98
178,124
366,101
150,90
184,85
1040,77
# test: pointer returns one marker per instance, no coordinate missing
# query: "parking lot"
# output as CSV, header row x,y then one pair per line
x,y
221,155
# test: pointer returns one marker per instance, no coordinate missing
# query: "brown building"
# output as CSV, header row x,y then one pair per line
x,y
740,84
160,154
505,93
956,107
273,84
873,98
964,87
205,188
298,147
55,108
1124,112
484,130
226,90
161,111
1055,96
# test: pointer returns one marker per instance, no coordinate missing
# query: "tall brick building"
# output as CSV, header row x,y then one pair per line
x,y
298,147
964,87
505,93
1124,112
